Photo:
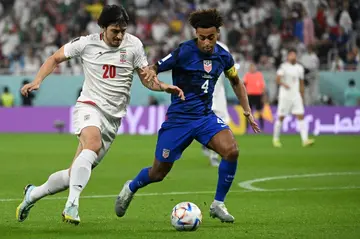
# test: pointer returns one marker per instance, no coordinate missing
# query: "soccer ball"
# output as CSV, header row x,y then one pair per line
x,y
186,216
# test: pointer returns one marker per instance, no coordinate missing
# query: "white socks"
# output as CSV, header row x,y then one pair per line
x,y
303,130
57,182
80,175
277,129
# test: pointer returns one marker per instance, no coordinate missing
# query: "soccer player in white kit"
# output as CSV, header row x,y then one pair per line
x,y
219,106
109,60
290,78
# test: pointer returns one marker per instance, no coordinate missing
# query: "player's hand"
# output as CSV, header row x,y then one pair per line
x,y
149,74
171,89
286,86
253,124
29,87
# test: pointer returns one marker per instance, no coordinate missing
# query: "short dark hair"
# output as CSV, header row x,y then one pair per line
x,y
6,89
292,50
351,82
206,19
113,15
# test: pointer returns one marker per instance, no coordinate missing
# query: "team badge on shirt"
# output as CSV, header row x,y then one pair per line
x,y
207,65
166,153
122,56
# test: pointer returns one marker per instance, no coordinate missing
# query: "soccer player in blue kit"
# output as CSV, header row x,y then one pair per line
x,y
196,65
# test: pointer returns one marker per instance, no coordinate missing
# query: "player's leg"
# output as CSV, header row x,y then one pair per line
x,y
298,111
57,182
282,110
88,120
90,138
172,141
219,138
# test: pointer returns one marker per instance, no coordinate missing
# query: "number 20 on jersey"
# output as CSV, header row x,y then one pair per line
x,y
109,71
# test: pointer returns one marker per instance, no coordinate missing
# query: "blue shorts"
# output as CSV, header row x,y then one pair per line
x,y
175,137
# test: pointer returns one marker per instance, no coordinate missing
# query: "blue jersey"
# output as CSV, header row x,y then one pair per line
x,y
196,74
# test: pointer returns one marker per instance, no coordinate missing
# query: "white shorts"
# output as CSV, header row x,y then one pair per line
x,y
288,106
85,115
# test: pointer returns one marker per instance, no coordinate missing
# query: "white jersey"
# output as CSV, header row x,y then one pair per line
x,y
108,70
291,75
219,105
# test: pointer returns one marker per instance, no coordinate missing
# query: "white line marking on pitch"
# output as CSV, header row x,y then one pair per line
x,y
249,190
248,184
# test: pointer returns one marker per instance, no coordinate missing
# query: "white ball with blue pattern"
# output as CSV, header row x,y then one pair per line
x,y
186,216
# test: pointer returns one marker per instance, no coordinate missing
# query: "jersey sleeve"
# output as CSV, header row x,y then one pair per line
x,y
140,59
280,71
230,70
169,61
75,47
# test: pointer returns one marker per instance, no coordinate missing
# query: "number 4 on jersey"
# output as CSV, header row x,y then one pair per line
x,y
205,86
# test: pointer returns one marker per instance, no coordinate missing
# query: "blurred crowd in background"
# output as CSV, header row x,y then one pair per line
x,y
326,33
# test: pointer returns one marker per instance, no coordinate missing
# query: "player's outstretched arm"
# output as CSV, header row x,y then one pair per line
x,y
240,92
155,84
48,67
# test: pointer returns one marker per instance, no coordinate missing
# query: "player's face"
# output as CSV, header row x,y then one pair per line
x,y
292,57
207,38
114,34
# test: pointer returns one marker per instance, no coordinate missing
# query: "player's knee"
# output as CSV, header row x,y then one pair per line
x,y
232,153
157,176
93,144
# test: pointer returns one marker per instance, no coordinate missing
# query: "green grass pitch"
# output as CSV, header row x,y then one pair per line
x,y
322,200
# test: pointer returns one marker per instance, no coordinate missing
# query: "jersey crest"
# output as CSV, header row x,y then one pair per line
x,y
122,56
207,65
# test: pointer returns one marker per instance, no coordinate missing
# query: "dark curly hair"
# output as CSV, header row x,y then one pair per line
x,y
113,15
206,19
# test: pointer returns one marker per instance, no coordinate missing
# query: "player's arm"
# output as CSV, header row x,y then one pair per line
x,y
69,50
239,89
279,82
48,67
155,84
240,92
302,82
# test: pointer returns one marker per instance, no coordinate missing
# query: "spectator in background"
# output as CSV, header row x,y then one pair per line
x,y
7,98
345,19
255,87
337,64
27,101
309,29
311,62
274,41
352,94
351,63
31,62
152,100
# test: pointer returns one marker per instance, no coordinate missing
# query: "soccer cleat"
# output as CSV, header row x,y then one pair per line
x,y
23,210
205,151
221,212
71,214
277,143
123,200
308,142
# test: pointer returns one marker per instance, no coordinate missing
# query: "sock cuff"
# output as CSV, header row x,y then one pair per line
x,y
89,152
228,163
